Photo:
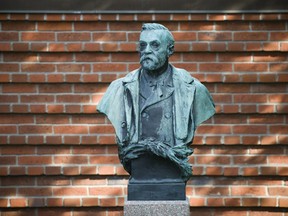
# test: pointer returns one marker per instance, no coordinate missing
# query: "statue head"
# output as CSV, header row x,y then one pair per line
x,y
156,45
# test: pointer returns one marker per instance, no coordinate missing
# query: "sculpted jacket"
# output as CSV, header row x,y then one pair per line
x,y
192,106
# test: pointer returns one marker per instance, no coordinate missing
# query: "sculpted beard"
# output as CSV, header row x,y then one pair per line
x,y
151,62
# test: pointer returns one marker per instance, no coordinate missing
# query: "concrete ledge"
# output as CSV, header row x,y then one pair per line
x,y
157,208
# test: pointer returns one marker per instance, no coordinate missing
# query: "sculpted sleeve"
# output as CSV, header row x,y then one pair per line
x,y
203,105
112,105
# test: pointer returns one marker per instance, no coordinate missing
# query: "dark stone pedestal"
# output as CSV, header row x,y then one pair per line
x,y
155,178
165,191
157,208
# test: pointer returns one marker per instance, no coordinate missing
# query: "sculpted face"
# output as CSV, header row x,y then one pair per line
x,y
153,48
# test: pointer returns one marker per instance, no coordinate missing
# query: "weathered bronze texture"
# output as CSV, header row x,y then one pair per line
x,y
155,111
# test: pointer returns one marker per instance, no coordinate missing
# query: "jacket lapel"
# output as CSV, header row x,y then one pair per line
x,y
155,98
131,103
184,96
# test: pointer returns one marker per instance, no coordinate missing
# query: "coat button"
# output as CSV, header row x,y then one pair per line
x,y
167,115
145,115
123,124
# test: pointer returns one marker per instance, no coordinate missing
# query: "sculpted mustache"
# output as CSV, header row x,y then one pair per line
x,y
142,58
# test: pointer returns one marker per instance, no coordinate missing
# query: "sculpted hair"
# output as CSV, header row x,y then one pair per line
x,y
157,26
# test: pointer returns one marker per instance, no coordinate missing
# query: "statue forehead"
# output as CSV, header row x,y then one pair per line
x,y
151,35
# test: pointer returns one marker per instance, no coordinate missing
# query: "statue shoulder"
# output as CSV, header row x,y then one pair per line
x,y
186,77
183,75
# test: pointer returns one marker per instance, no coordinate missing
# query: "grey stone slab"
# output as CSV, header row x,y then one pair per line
x,y
157,208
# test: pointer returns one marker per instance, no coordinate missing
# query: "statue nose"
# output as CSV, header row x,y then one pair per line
x,y
148,49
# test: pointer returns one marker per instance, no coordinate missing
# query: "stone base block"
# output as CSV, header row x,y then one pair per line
x,y
157,208
159,192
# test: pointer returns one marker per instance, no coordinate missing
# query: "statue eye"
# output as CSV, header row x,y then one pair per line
x,y
142,46
155,45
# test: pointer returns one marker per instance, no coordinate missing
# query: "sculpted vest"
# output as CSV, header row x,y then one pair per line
x,y
156,108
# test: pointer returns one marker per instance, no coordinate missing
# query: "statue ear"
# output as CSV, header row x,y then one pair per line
x,y
170,50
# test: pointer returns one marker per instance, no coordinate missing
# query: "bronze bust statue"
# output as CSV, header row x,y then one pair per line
x,y
155,111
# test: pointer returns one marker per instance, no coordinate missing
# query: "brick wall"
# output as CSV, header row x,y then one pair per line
x,y
58,156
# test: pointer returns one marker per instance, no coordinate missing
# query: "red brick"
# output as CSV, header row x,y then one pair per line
x,y
26,160
92,57
250,159
213,160
37,68
112,67
35,171
36,17
53,17
250,171
5,46
89,201
70,159
103,129
106,140
35,129
248,191
251,36
219,17
37,108
8,129
72,202
43,191
52,202
90,26
107,202
73,78
9,36
278,191
104,160
72,99
184,36
17,16
53,170
250,201
35,140
5,67
71,140
56,47
72,17
279,159
18,202
252,67
69,36
37,36
232,202
231,171
70,191
88,170
283,202
278,36
120,36
282,171
87,78
20,108
55,57
215,201
268,202
4,202
215,67
54,26
106,170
